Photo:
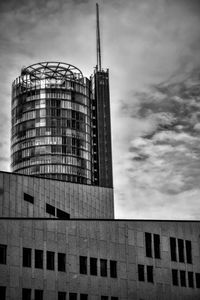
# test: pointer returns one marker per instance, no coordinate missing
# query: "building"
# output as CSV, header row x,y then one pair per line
x,y
58,236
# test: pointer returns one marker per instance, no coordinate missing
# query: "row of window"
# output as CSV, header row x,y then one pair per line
x,y
181,250
93,266
148,275
179,277
65,177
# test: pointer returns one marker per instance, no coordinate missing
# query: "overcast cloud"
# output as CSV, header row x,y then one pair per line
x,y
152,50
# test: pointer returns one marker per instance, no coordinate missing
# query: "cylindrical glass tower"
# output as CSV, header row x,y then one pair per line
x,y
51,122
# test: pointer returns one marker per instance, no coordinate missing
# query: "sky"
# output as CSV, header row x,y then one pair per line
x,y
151,48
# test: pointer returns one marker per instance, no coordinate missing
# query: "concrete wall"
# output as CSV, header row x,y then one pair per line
x,y
123,241
80,201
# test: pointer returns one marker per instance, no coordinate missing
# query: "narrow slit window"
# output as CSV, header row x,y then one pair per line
x,y
93,266
50,209
182,278
148,244
50,260
181,250
113,269
156,241
26,294
150,274
38,259
175,277
3,254
27,257
28,198
198,280
61,262
173,249
191,279
188,246
141,272
83,264
103,267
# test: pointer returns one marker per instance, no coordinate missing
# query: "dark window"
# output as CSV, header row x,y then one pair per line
x,y
181,250
83,296
198,280
113,269
83,264
148,244
62,214
103,267
50,209
27,257
141,272
61,262
38,259
93,266
156,242
38,295
190,279
173,248
174,277
104,297
3,250
114,298
72,296
61,295
3,292
150,273
182,278
28,198
188,246
50,260
26,294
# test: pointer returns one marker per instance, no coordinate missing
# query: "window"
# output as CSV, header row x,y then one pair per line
x,y
103,267
190,279
188,246
113,269
114,298
38,259
3,292
198,280
50,209
104,297
174,277
156,242
93,266
61,262
173,248
3,251
26,294
141,272
83,296
28,198
150,273
182,278
38,295
148,244
72,296
181,250
27,257
61,295
50,260
62,214
83,264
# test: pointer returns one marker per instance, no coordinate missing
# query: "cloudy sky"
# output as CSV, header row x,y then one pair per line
x,y
152,50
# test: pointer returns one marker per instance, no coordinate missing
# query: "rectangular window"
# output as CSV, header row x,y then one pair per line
x,y
38,259
103,267
113,269
28,198
62,214
38,294
182,278
148,244
188,246
104,297
181,250
174,277
26,294
83,297
173,249
3,254
150,273
93,266
50,260
3,292
50,209
61,262
27,257
72,296
190,279
156,242
83,264
198,280
114,298
61,295
141,272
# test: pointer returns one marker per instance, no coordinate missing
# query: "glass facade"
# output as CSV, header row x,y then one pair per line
x,y
52,122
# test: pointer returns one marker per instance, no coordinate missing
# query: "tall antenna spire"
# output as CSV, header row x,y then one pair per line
x,y
98,40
